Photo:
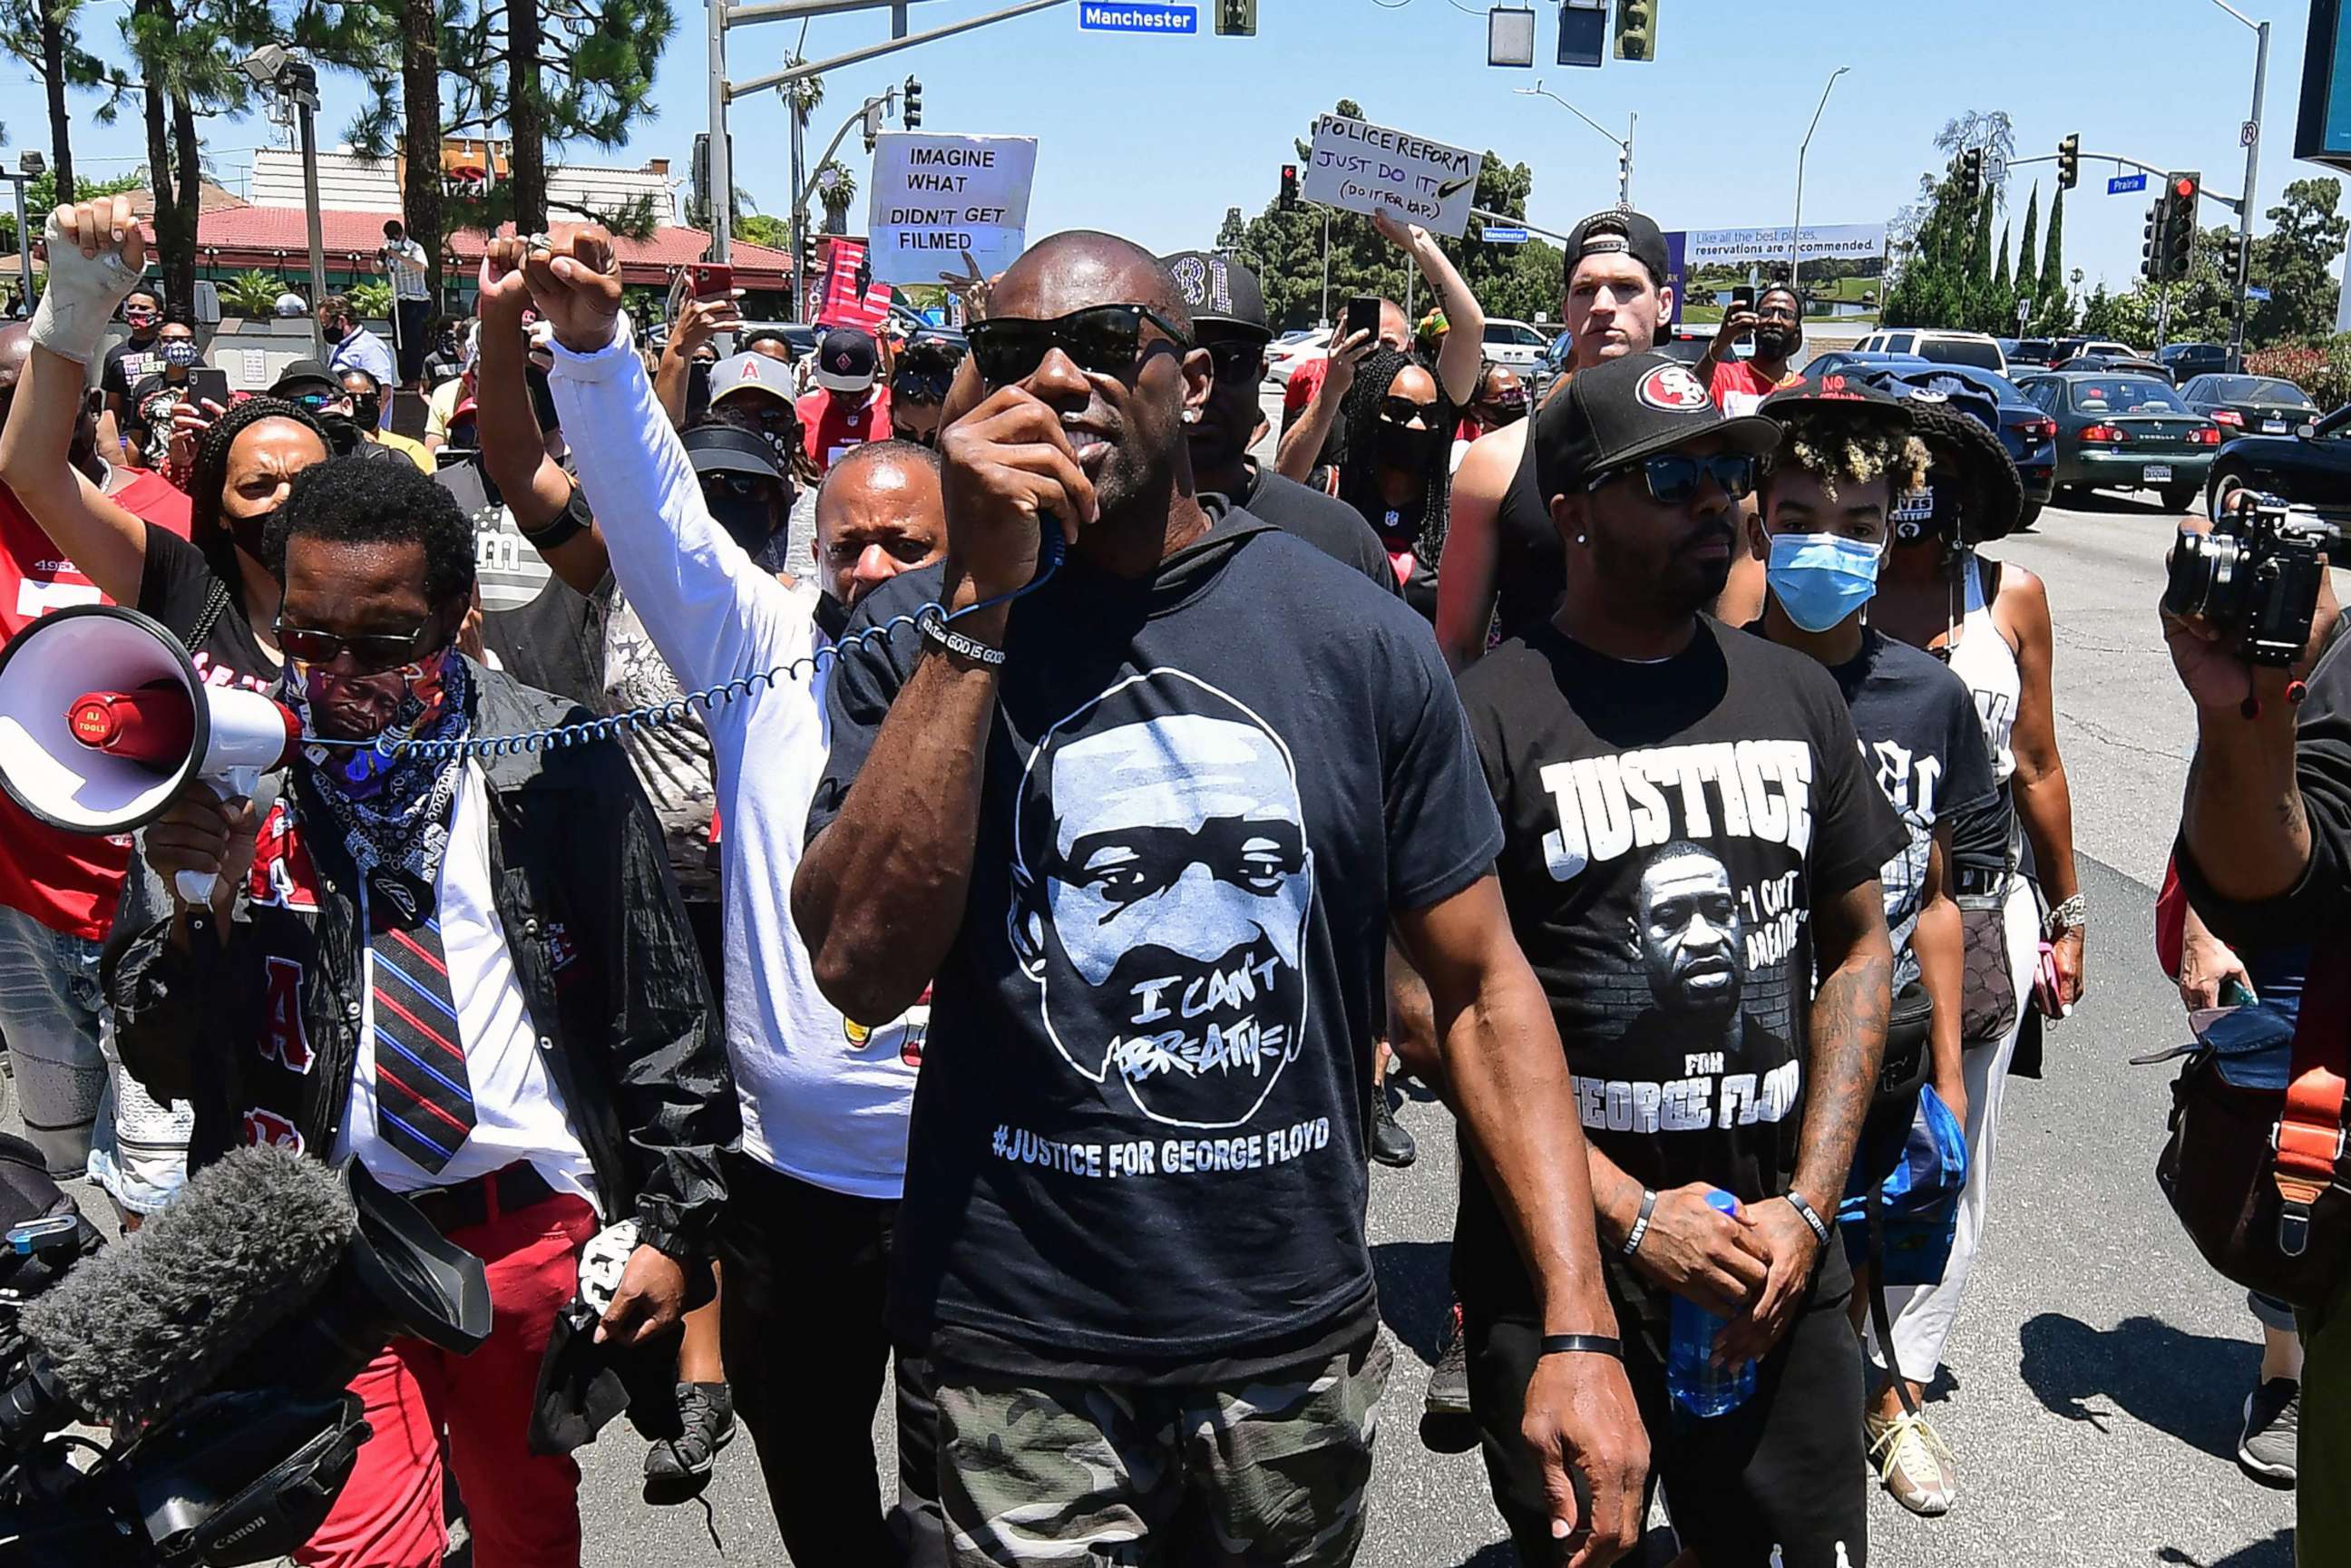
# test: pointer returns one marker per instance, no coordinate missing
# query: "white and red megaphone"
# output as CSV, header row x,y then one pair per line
x,y
103,720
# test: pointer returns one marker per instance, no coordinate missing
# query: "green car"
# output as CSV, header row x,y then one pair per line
x,y
2124,431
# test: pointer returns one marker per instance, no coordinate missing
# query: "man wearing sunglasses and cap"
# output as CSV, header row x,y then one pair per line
x,y
1149,828
1690,836
1229,319
919,379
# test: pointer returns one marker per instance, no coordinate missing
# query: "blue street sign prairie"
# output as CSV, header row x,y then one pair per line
x,y
1107,17
2257,293
2121,182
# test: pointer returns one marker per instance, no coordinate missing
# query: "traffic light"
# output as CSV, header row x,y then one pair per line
x,y
2069,162
1636,29
2150,250
1971,175
1236,18
912,116
1289,186
2178,246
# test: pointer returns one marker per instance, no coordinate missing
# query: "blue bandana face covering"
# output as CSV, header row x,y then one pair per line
x,y
1821,579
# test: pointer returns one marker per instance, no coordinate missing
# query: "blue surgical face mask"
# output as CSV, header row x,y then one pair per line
x,y
1821,579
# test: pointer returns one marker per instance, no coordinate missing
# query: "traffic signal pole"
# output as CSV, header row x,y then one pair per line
x,y
2245,208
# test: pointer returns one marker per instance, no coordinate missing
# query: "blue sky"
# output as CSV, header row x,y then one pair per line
x,y
1155,136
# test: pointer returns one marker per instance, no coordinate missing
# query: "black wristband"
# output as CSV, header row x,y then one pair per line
x,y
1582,1344
565,526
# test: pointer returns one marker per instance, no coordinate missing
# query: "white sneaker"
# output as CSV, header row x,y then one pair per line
x,y
1913,1462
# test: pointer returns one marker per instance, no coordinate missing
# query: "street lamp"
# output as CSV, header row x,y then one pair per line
x,y
1624,147
2252,141
296,83
1796,234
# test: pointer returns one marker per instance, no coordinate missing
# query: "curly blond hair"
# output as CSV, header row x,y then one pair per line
x,y
1837,448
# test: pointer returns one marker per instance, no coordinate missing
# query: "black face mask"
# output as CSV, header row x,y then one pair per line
x,y
343,433
1401,447
747,519
832,616
251,534
367,412
1400,524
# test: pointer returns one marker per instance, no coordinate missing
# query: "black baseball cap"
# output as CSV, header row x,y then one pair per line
x,y
1219,292
1622,409
1839,394
305,375
1619,231
725,449
846,361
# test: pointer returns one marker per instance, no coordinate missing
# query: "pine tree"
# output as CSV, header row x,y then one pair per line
x,y
2028,263
2055,295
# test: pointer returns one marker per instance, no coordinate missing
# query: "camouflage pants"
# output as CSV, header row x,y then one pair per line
x,y
1251,1475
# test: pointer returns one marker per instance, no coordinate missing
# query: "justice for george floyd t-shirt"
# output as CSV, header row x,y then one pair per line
x,y
1138,1145
1668,830
1920,739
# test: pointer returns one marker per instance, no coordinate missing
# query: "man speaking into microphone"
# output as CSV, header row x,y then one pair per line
x,y
472,976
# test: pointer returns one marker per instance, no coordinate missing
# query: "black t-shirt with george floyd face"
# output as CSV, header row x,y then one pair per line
x,y
1668,828
1137,1146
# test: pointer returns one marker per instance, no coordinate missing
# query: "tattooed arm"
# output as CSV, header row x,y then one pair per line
x,y
1846,1046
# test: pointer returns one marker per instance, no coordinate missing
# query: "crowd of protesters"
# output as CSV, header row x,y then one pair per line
x,y
987,980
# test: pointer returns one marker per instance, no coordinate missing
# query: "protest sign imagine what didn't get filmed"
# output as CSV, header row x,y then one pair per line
x,y
937,199
1365,168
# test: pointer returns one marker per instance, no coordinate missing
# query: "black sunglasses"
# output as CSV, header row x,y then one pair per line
x,y
1403,411
1673,478
742,487
921,386
1101,339
1237,361
372,652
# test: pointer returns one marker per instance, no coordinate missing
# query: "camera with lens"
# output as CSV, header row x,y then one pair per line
x,y
2255,577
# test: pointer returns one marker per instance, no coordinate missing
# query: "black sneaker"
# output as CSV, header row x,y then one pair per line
x,y
678,1469
2273,1428
1446,1424
1391,1144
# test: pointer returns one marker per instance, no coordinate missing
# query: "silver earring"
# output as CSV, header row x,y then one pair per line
x,y
1191,416
1581,539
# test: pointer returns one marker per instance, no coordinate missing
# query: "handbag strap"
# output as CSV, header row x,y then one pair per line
x,y
2308,1138
1880,1320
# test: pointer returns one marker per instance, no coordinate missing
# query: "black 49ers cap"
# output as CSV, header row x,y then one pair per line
x,y
1622,409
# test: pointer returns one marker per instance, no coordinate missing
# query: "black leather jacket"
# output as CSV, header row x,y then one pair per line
x,y
601,948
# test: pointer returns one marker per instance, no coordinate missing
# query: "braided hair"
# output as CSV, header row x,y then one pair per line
x,y
208,476
1358,462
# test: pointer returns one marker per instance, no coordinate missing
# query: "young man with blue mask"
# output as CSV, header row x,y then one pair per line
x,y
1822,526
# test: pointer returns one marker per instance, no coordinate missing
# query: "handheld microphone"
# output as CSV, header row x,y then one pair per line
x,y
141,1328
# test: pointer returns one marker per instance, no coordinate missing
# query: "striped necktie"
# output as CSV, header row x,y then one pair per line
x,y
423,1101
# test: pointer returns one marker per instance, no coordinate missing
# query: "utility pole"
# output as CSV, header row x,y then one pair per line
x,y
722,164
1796,234
2245,214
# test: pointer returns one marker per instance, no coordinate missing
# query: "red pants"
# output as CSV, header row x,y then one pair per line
x,y
523,1508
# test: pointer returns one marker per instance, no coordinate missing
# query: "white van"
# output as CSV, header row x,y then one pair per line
x,y
1944,347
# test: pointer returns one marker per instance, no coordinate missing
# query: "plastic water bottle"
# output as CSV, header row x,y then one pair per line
x,y
1697,1384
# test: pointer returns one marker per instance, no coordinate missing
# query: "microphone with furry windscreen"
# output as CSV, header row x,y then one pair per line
x,y
141,1328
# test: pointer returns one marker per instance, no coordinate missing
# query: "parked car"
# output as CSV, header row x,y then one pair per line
x,y
2115,364
2030,351
2186,361
1944,347
2065,349
2126,432
2250,405
1514,343
2309,466
2025,428
1285,354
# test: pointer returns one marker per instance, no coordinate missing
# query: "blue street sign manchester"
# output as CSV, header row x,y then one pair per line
x,y
1494,236
2256,292
1109,16
2121,182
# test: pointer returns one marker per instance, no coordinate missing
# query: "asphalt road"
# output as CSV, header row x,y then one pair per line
x,y
2096,1374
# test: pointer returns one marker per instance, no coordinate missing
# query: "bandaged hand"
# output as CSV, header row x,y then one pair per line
x,y
96,254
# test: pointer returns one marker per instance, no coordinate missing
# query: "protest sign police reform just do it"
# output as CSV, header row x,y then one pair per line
x,y
1365,168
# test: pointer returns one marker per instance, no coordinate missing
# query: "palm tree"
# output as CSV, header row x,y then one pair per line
x,y
837,187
